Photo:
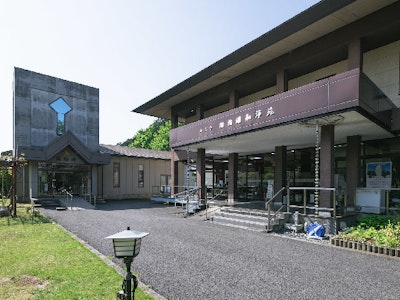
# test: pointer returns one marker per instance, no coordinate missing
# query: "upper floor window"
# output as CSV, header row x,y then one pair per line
x,y
61,108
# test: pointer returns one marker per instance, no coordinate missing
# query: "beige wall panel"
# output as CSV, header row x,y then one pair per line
x,y
257,96
382,67
129,170
337,68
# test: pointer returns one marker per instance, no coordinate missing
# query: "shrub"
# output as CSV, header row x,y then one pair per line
x,y
374,221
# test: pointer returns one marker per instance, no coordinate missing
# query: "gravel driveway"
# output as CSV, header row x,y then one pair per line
x,y
188,258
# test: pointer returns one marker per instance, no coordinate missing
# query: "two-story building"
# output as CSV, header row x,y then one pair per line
x,y
313,102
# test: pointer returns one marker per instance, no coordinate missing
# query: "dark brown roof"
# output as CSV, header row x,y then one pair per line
x,y
116,150
314,23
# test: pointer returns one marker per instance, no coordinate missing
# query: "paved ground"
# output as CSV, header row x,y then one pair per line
x,y
188,258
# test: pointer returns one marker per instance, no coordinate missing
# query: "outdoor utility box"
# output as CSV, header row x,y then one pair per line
x,y
370,200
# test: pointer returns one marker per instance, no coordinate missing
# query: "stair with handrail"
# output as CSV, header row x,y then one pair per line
x,y
251,219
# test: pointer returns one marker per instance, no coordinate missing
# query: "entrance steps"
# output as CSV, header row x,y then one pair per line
x,y
61,203
77,203
255,220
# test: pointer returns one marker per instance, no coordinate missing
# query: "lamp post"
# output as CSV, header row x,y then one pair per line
x,y
127,246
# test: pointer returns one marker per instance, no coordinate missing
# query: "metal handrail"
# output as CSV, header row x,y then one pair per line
x,y
268,207
68,194
316,208
213,198
187,192
274,196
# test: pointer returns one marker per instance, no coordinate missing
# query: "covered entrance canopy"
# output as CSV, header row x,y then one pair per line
x,y
65,165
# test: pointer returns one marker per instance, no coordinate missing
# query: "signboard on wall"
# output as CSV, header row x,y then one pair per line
x,y
379,175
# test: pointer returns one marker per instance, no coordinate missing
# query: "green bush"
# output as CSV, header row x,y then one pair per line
x,y
387,235
374,221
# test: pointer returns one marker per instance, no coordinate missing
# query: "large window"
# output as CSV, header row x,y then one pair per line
x,y
116,176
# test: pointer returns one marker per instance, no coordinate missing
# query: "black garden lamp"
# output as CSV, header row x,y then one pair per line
x,y
127,246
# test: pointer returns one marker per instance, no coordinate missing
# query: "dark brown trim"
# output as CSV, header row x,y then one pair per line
x,y
68,139
327,96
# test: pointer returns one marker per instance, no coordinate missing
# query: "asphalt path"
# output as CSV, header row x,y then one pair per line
x,y
189,258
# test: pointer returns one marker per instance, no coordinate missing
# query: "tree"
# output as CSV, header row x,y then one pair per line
x,y
155,137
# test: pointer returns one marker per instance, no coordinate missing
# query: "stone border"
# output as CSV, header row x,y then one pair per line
x,y
365,247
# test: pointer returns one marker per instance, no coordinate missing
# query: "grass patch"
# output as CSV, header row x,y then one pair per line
x,y
39,260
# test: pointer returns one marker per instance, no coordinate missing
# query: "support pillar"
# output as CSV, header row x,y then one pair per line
x,y
326,165
94,180
174,173
232,177
281,82
354,54
280,170
233,100
174,120
33,179
353,164
201,172
199,112
174,159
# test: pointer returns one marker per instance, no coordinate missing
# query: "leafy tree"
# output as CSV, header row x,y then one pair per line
x,y
5,178
155,137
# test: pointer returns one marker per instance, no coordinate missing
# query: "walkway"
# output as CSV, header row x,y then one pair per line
x,y
187,258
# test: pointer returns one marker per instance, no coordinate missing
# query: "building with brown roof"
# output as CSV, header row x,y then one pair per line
x,y
312,103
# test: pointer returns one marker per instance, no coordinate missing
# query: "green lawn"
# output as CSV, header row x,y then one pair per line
x,y
39,260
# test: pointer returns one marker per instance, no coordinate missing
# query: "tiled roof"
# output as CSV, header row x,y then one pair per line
x,y
134,152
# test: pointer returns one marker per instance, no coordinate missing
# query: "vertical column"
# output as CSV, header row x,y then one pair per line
x,y
232,177
94,180
280,169
201,172
281,82
33,179
353,164
233,157
89,183
326,164
174,120
200,112
174,172
174,160
354,54
233,99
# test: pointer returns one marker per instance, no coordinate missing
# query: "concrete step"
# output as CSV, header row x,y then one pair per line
x,y
46,202
239,223
248,219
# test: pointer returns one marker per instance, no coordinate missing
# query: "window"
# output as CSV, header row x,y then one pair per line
x,y
165,184
61,108
141,176
116,167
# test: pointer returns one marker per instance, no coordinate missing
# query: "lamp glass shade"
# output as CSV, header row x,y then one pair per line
x,y
127,243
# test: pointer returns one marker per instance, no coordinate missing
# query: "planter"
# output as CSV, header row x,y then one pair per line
x,y
360,246
4,211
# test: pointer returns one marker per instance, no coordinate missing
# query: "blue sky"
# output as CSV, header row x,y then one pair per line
x,y
131,50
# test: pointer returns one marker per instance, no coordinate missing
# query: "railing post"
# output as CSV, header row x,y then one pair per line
x,y
288,199
334,203
305,201
387,201
269,217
